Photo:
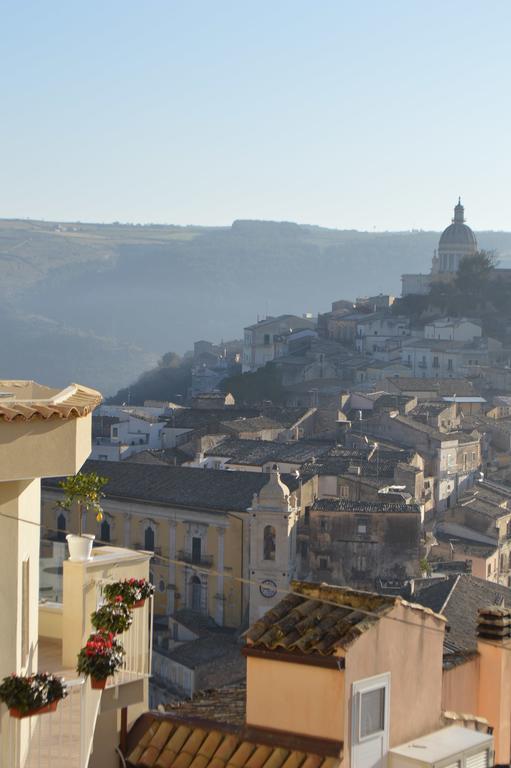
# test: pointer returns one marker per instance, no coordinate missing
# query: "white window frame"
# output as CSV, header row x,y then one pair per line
x,y
364,686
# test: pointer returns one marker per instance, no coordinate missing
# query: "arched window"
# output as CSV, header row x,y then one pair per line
x,y
196,593
269,542
149,539
61,526
105,531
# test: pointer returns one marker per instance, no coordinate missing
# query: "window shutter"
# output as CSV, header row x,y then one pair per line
x,y
479,760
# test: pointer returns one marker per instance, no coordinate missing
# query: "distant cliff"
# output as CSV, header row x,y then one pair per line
x,y
118,296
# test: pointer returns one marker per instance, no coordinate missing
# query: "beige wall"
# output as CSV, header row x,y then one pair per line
x,y
460,687
44,448
303,699
495,694
413,656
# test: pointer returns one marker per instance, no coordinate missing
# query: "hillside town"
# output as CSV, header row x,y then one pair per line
x,y
351,539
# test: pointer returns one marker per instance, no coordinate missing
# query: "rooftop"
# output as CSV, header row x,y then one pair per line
x,y
318,619
258,452
179,486
443,387
366,507
164,741
26,400
458,598
225,705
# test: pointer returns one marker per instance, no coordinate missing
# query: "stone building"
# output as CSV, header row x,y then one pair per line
x,y
362,543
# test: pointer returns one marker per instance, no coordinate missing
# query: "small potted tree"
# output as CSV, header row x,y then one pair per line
x,y
101,657
133,592
28,695
113,617
85,490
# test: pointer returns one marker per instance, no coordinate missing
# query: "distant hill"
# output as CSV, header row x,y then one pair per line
x,y
115,296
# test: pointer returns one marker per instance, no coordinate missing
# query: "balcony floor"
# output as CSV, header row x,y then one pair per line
x,y
50,658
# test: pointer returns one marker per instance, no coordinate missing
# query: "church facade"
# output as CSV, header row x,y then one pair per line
x,y
456,242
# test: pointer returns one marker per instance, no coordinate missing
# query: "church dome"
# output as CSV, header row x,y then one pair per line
x,y
456,241
457,235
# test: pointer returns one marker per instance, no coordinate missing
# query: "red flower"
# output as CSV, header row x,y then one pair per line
x,y
118,599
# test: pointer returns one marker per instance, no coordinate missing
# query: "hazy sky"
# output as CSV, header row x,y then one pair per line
x,y
345,114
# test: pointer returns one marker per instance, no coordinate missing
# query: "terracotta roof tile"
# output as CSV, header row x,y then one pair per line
x,y
26,400
159,741
304,623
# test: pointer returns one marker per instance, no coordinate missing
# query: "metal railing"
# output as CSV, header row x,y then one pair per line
x,y
187,557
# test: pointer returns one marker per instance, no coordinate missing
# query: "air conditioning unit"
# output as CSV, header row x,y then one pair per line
x,y
453,747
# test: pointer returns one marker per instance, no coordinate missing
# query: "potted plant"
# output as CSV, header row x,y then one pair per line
x,y
83,489
101,657
133,592
113,617
28,695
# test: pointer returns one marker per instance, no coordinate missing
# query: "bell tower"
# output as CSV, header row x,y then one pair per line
x,y
273,518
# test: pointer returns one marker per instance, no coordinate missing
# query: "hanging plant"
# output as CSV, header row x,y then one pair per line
x,y
113,617
28,695
133,592
101,657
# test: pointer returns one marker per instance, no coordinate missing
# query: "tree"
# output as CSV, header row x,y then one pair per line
x,y
475,272
84,489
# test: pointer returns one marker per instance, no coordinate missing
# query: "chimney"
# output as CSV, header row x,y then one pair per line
x,y
494,692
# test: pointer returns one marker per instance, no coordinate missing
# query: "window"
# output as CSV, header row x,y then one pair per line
x,y
362,524
360,563
372,712
449,364
344,492
489,570
196,549
105,531
266,339
149,539
196,593
115,431
435,362
323,564
269,543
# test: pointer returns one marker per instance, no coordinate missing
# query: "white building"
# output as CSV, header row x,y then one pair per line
x,y
134,431
453,329
261,341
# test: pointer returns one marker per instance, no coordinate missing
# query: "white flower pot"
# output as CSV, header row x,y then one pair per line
x,y
80,547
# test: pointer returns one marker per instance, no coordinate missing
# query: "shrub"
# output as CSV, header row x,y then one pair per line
x,y
101,657
113,617
31,692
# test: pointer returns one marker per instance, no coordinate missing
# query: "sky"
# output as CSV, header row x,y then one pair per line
x,y
370,114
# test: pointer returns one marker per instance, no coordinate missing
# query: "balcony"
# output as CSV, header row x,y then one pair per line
x,y
205,561
65,738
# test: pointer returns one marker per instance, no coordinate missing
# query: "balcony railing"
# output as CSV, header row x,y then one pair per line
x,y
187,557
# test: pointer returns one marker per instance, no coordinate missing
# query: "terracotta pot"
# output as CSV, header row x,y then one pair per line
x,y
52,707
80,547
98,684
139,603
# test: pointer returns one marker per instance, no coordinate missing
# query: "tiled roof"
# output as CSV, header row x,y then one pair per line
x,y
258,452
442,387
173,456
225,705
368,507
26,400
461,597
305,624
253,424
179,486
163,741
